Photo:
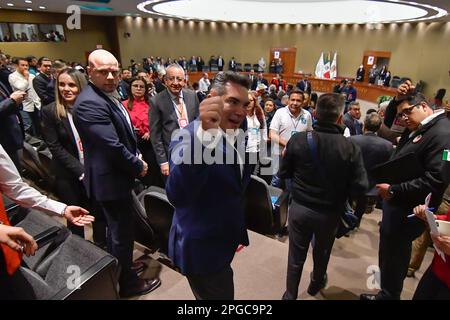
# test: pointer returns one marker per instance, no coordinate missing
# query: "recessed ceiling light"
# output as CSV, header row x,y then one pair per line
x,y
29,9
10,5
28,1
42,7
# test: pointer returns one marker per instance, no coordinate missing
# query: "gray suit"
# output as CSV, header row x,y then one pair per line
x,y
163,120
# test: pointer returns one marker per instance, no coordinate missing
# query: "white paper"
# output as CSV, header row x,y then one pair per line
x,y
434,230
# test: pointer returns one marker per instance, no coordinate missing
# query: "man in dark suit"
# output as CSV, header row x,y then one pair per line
x,y
209,220
375,150
171,109
44,83
304,85
11,127
351,119
111,163
427,135
220,63
5,71
232,64
262,80
253,79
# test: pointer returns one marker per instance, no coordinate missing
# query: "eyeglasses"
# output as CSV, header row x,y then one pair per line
x,y
407,112
138,86
172,79
105,73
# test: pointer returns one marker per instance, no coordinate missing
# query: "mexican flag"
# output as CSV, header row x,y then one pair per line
x,y
327,68
446,155
333,71
320,67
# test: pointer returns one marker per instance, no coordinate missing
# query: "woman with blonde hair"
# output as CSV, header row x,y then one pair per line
x,y
62,138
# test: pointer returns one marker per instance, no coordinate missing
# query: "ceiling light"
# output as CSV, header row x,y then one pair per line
x,y
315,12
42,7
10,5
29,9
28,1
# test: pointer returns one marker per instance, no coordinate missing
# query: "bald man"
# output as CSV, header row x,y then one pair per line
x,y
112,162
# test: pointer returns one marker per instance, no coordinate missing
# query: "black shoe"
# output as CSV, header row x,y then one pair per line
x,y
315,286
368,296
143,286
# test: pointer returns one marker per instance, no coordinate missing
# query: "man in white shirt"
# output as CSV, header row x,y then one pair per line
x,y
22,80
204,83
286,122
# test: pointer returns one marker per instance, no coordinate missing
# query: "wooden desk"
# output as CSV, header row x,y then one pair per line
x,y
367,92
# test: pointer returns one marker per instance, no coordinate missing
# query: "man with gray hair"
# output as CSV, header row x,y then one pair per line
x,y
375,150
174,108
319,190
209,219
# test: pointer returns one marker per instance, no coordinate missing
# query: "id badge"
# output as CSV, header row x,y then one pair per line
x,y
182,123
293,132
254,131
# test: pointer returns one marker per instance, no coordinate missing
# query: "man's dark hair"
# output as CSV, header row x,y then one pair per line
x,y
296,91
42,59
30,59
222,78
16,60
371,111
415,98
353,103
329,107
372,122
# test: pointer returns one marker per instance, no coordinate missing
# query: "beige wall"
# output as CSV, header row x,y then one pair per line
x,y
94,30
420,51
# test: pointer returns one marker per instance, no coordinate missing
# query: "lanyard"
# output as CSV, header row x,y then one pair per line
x,y
179,111
77,138
296,124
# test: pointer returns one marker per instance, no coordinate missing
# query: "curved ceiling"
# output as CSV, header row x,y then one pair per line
x,y
294,11
253,11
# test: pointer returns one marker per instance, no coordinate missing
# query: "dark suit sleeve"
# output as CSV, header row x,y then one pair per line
x,y
8,107
59,153
40,86
436,177
358,182
391,113
93,120
155,126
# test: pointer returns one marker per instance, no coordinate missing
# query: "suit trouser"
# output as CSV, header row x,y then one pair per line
x,y
120,242
395,251
216,286
304,223
431,287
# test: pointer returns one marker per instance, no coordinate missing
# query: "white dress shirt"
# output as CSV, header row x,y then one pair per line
x,y
18,82
12,186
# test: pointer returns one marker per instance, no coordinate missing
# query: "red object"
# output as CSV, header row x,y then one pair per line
x,y
139,115
12,257
240,247
440,267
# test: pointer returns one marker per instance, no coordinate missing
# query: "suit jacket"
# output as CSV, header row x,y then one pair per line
x,y
163,120
11,127
349,122
45,88
305,86
59,137
375,150
109,144
209,219
253,82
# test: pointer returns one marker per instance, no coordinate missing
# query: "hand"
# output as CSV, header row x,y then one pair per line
x,y
78,216
17,239
165,169
144,169
26,74
447,106
146,136
18,96
383,190
419,211
404,89
442,243
211,110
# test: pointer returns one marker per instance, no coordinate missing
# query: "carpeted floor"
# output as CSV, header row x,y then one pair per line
x,y
260,269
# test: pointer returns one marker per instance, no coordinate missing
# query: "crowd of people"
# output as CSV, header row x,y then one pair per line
x,y
106,127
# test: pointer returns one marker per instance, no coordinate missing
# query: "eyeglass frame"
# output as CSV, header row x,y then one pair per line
x,y
407,111
106,72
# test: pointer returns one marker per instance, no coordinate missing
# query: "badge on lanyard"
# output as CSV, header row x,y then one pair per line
x,y
254,131
293,132
182,122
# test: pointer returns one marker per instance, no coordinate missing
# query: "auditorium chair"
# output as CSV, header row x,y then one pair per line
x,y
214,67
256,67
265,207
77,270
247,67
143,231
159,213
395,82
239,67
205,69
45,158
